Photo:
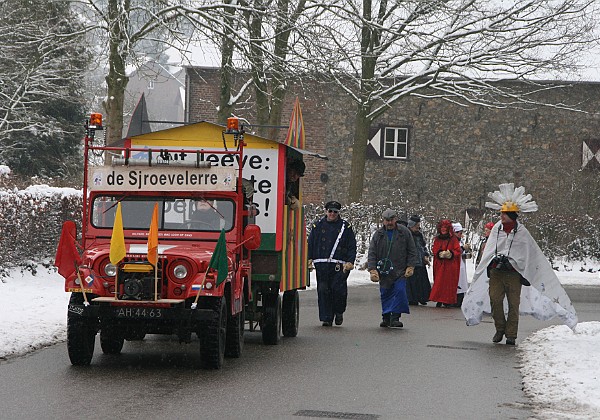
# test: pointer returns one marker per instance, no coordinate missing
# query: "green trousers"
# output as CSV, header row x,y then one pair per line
x,y
505,283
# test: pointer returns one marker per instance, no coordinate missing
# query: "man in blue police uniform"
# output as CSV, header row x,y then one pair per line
x,y
332,250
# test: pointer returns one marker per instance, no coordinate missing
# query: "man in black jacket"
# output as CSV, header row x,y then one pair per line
x,y
391,259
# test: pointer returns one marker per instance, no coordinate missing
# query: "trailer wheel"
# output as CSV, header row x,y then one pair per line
x,y
81,336
212,337
271,326
234,344
290,313
111,340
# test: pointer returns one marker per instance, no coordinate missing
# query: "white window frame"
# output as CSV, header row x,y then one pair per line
x,y
397,140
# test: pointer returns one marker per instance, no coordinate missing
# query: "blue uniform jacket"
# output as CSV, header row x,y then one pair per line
x,y
323,235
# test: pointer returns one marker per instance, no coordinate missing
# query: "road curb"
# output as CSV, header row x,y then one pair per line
x,y
586,294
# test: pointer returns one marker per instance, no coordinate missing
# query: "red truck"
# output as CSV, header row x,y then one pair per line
x,y
219,194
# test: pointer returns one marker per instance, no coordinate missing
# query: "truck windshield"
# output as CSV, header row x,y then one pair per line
x,y
190,214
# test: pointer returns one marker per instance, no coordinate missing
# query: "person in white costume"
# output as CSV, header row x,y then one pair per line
x,y
512,258
463,283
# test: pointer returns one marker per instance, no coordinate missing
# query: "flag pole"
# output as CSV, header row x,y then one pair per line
x,y
85,300
195,304
156,282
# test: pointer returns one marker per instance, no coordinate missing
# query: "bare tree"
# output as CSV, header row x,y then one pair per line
x,y
41,69
380,51
120,26
261,35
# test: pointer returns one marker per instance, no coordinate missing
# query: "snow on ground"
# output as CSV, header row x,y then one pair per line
x,y
561,369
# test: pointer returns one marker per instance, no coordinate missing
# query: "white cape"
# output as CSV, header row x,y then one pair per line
x,y
544,299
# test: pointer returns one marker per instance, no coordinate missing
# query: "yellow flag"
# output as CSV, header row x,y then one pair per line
x,y
117,241
153,237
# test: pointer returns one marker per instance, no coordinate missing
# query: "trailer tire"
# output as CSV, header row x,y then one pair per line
x,y
213,335
234,344
111,340
81,335
271,325
290,313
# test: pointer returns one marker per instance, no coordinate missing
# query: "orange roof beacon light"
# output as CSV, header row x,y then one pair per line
x,y
96,121
233,125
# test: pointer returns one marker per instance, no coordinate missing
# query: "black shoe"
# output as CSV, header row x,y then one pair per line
x,y
413,303
386,320
510,341
438,305
423,303
498,337
395,321
327,323
339,318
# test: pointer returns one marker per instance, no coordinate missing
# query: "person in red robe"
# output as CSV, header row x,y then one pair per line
x,y
446,265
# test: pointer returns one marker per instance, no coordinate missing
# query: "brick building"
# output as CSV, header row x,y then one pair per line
x,y
440,157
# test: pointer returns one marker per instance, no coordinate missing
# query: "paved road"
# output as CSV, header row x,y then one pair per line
x,y
434,367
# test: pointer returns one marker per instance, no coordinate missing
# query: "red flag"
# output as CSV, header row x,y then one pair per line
x,y
66,254
153,237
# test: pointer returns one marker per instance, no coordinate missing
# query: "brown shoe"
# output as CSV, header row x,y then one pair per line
x,y
498,337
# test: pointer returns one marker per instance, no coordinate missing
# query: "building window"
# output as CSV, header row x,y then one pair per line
x,y
395,143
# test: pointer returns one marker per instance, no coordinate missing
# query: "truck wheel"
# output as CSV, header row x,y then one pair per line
x,y
135,335
213,336
234,344
290,313
81,336
271,326
111,340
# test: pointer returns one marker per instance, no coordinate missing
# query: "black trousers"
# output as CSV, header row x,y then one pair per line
x,y
332,290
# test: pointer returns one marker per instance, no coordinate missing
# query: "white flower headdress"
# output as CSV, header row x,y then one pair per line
x,y
509,198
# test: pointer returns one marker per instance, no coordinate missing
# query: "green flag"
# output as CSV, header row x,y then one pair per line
x,y
218,260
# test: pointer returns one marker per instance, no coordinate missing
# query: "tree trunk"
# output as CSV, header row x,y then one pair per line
x,y
359,152
227,46
116,80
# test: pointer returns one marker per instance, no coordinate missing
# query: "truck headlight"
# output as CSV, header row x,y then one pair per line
x,y
180,271
110,270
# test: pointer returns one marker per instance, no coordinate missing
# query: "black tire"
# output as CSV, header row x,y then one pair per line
x,y
135,335
213,335
111,340
271,323
290,313
81,335
234,344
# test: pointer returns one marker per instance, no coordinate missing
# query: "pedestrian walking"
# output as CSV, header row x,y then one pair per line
x,y
463,283
418,286
487,229
332,251
513,259
391,260
446,265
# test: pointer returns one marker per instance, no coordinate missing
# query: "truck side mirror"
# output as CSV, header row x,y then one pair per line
x,y
252,237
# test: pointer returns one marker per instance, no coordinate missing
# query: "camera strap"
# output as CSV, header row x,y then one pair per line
x,y
511,241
